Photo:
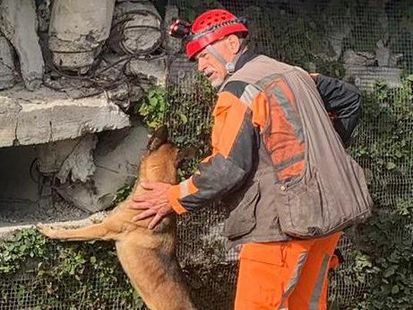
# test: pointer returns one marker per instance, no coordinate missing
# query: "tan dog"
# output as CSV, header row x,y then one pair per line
x,y
147,256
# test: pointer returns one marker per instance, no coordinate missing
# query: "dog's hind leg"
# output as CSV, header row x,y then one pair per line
x,y
92,232
155,274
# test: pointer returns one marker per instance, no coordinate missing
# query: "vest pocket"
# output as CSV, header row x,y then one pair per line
x,y
304,212
242,219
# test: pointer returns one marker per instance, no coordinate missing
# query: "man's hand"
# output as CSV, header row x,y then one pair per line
x,y
154,202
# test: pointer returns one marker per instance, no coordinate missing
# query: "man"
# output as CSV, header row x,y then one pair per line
x,y
276,153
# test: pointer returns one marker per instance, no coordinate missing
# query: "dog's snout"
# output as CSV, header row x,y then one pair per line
x,y
158,138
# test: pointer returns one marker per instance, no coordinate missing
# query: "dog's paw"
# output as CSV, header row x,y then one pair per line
x,y
45,230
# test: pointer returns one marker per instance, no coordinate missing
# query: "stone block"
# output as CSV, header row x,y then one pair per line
x,y
7,68
117,156
19,25
77,32
150,69
45,116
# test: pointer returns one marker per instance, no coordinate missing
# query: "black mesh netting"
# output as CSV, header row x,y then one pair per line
x,y
364,42
31,294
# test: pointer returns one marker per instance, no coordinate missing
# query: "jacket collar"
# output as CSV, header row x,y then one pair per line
x,y
247,56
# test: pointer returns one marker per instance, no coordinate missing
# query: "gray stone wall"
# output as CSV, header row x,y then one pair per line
x,y
71,73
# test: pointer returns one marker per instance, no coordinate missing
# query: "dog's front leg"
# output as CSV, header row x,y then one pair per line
x,y
91,232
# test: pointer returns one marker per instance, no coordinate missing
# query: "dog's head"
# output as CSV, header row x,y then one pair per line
x,y
158,138
162,158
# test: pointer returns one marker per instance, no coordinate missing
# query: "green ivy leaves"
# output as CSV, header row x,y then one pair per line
x,y
57,275
154,107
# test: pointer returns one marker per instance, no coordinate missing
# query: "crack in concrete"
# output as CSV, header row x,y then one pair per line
x,y
16,140
51,131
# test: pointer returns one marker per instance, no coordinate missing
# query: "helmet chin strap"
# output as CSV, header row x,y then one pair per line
x,y
229,66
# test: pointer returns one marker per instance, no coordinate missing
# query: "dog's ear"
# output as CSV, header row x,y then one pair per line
x,y
159,137
186,153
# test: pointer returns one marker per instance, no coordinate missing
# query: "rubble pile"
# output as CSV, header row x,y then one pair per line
x,y
84,48
70,73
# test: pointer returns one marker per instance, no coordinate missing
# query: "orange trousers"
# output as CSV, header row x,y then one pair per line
x,y
285,275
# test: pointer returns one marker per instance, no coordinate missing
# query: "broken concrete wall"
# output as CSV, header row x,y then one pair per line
x,y
136,28
66,158
18,23
87,89
86,172
116,158
26,196
361,68
7,68
45,116
151,69
77,32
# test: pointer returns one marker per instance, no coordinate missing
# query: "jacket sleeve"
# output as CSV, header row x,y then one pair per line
x,y
234,143
343,102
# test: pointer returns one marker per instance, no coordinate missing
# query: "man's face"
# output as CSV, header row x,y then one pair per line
x,y
213,69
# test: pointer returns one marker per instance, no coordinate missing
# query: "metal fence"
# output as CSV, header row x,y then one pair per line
x,y
363,42
360,41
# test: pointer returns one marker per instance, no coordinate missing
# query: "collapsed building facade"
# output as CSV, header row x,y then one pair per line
x,y
70,73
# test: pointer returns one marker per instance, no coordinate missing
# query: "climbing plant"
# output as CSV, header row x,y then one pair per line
x,y
187,113
385,147
153,107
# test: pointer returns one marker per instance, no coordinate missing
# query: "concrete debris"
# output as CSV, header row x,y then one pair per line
x,y
362,68
111,66
54,116
77,32
125,94
336,38
73,87
384,56
136,28
122,90
19,26
26,195
352,58
52,155
79,163
15,217
43,10
7,68
365,78
153,70
9,112
7,232
116,158
69,157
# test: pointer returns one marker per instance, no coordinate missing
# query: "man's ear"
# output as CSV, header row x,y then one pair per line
x,y
159,137
234,43
186,153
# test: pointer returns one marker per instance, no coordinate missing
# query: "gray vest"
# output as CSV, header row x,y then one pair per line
x,y
331,194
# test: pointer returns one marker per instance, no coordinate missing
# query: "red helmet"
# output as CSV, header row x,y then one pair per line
x,y
210,27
